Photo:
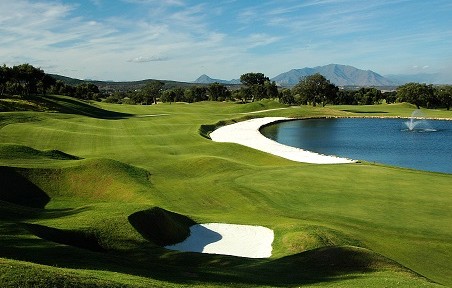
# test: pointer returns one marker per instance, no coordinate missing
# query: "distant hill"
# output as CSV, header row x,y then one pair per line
x,y
120,86
434,78
340,75
204,79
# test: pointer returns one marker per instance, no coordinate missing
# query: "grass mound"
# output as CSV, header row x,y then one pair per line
x,y
12,151
19,104
19,190
330,262
313,237
24,274
96,179
53,103
161,226
7,118
76,238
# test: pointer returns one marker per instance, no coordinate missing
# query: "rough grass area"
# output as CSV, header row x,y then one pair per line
x,y
89,194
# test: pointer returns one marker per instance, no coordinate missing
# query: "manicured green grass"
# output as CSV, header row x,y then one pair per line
x,y
107,170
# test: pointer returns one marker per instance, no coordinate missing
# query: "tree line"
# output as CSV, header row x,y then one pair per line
x,y
255,86
316,89
26,80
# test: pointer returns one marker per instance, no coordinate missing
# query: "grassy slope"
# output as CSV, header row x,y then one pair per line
x,y
163,161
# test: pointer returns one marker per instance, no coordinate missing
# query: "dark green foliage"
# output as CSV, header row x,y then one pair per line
x,y
218,92
17,189
315,89
173,95
195,94
251,79
27,80
286,97
24,80
87,91
417,94
258,87
444,96
160,226
152,91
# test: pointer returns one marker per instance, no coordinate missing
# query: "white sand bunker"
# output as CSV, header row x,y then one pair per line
x,y
228,239
247,133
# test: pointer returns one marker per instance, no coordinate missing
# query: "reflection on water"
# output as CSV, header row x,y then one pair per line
x,y
377,140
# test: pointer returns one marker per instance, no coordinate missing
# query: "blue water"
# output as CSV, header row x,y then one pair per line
x,y
387,141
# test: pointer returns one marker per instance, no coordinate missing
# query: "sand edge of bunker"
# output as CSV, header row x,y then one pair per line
x,y
228,239
247,133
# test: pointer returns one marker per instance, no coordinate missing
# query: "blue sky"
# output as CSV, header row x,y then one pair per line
x,y
182,39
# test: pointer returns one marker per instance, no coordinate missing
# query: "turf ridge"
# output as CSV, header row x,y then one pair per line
x,y
14,151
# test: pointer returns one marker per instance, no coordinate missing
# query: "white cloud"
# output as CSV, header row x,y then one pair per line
x,y
143,59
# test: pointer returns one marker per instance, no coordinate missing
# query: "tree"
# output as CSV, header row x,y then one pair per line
x,y
5,75
417,94
250,79
345,97
316,89
286,97
27,77
195,94
218,92
45,84
173,95
255,82
444,95
199,93
152,91
390,97
271,89
86,91
368,96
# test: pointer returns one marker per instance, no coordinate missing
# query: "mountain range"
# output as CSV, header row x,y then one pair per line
x,y
204,79
340,75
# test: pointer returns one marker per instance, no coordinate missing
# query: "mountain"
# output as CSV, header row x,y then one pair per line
x,y
340,75
417,78
204,79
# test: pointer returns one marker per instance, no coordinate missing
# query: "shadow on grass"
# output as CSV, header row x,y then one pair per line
x,y
17,189
76,238
160,226
196,268
73,106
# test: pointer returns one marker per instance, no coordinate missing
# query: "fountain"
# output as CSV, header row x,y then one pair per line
x,y
417,123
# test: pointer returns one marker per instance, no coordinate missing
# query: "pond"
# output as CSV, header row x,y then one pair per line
x,y
389,141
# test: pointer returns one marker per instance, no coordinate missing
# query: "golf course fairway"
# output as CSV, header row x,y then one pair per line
x,y
91,193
